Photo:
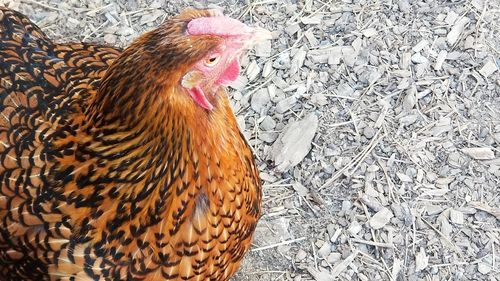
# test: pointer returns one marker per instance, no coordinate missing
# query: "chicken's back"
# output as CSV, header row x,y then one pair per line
x,y
44,88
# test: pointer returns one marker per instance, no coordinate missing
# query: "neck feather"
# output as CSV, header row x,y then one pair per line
x,y
145,158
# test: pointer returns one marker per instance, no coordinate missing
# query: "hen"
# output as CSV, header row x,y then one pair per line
x,y
124,165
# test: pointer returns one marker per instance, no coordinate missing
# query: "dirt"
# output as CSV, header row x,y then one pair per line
x,y
395,171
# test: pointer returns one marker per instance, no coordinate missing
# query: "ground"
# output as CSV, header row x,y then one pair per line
x,y
376,125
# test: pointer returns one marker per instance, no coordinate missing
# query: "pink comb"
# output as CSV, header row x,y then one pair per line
x,y
221,26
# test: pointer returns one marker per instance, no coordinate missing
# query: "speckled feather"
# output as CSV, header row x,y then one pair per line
x,y
108,170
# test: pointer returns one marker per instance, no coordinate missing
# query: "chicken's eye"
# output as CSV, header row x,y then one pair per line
x,y
212,60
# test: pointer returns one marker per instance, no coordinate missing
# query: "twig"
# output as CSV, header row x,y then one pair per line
x,y
453,246
95,30
356,161
42,5
371,243
278,244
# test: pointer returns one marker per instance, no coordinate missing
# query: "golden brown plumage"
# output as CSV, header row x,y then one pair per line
x,y
109,169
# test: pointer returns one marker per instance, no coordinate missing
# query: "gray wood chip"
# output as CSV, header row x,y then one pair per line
x,y
421,260
268,123
403,177
344,264
253,70
263,49
456,30
240,83
324,55
451,17
297,61
319,99
456,217
300,189
488,68
369,32
420,46
335,235
486,265
396,267
292,29
294,142
405,61
301,255
315,19
333,258
418,58
404,6
260,100
381,218
354,228
110,39
479,153
324,251
286,104
311,38
440,60
320,275
267,69
282,61
484,268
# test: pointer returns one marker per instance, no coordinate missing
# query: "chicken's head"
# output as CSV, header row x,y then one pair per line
x,y
183,62
220,66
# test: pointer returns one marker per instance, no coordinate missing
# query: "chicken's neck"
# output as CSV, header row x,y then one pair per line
x,y
147,160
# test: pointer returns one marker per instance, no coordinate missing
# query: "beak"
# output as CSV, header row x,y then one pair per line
x,y
256,35
260,34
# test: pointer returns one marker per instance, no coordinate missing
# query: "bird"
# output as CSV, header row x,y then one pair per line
x,y
125,164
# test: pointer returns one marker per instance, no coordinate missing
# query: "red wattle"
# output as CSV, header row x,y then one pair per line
x,y
199,97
